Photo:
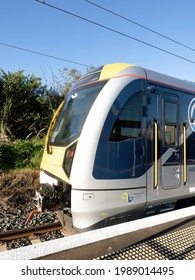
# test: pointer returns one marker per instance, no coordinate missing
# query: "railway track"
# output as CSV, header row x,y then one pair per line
x,y
26,236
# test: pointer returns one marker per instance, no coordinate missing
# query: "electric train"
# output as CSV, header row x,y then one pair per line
x,y
120,146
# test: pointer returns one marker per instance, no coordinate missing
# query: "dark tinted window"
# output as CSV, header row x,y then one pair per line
x,y
170,112
70,121
128,123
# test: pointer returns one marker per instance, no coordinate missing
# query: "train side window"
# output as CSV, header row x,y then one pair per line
x,y
128,122
170,123
170,135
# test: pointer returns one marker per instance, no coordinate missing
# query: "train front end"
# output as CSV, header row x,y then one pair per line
x,y
58,190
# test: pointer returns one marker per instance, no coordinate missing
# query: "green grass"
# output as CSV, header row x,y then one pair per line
x,y
21,154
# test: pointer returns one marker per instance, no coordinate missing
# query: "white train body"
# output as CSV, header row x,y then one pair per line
x,y
130,155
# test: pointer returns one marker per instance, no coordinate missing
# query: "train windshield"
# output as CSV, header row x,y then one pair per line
x,y
73,114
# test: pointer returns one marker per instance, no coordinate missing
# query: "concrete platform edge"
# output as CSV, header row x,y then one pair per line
x,y
38,251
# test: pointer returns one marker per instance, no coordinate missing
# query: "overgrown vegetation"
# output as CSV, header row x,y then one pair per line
x,y
18,188
21,154
26,106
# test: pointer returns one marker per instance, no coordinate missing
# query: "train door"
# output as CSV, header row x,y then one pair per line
x,y
171,156
163,152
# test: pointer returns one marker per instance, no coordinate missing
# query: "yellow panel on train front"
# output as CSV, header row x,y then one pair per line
x,y
53,163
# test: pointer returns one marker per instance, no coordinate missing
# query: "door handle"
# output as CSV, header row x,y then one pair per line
x,y
155,125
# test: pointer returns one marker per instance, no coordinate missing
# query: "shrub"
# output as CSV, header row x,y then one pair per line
x,y
7,157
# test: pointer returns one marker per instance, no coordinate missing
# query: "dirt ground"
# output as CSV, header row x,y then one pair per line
x,y
18,188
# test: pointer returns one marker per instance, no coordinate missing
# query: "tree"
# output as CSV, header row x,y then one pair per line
x,y
2,100
21,105
67,78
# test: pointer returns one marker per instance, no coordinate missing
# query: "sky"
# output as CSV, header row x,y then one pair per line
x,y
36,27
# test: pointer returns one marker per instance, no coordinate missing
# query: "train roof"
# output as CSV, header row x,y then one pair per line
x,y
121,69
170,81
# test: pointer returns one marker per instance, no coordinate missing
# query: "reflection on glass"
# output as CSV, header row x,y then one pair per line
x,y
77,104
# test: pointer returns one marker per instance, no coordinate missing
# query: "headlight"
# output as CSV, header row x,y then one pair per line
x,y
69,156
